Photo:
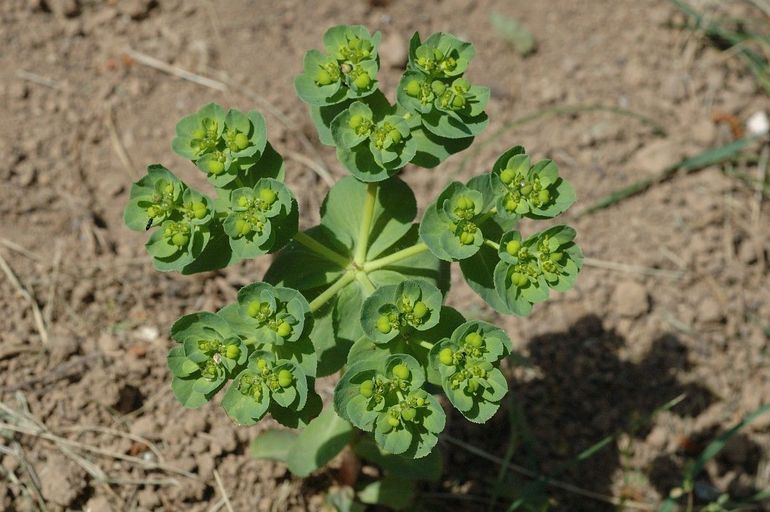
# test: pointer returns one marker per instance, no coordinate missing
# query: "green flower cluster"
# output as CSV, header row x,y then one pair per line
x,y
437,113
183,218
435,88
467,363
221,144
347,71
384,394
472,223
398,310
253,214
529,268
260,345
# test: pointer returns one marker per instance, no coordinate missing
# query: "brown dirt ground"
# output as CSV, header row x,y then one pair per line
x,y
599,359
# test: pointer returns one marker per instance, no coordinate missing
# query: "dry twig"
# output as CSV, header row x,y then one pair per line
x,y
36,313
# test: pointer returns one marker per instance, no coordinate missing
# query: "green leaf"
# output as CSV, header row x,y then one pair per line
x,y
431,149
273,444
160,191
321,441
397,493
198,133
455,127
514,33
298,419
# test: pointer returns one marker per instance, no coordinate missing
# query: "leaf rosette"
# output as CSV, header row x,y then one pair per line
x,y
153,199
466,362
442,55
384,395
273,315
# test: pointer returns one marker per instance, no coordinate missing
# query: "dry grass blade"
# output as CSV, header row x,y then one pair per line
x,y
24,424
117,145
632,269
221,488
21,250
314,166
178,72
36,313
40,80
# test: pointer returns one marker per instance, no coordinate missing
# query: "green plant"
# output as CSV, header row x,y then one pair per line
x,y
363,292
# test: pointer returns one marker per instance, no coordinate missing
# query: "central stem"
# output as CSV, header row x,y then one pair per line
x,y
395,257
366,224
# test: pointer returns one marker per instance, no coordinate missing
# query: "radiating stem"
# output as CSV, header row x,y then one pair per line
x,y
331,291
395,257
367,283
320,249
426,344
366,224
493,245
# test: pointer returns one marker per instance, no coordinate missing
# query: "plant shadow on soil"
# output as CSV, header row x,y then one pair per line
x,y
584,393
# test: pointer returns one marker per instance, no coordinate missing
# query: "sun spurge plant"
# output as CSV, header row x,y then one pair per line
x,y
363,292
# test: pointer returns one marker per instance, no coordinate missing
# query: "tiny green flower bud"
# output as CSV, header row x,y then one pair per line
x,y
199,210
362,81
198,133
395,136
285,378
507,175
284,329
366,388
241,141
512,247
393,422
420,402
323,77
355,121
253,309
466,238
526,189
232,352
474,339
462,85
511,204
267,196
261,364
383,324
215,166
544,196
446,356
438,87
420,309
408,414
242,227
458,101
401,371
180,239
556,257
413,88
243,202
518,279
